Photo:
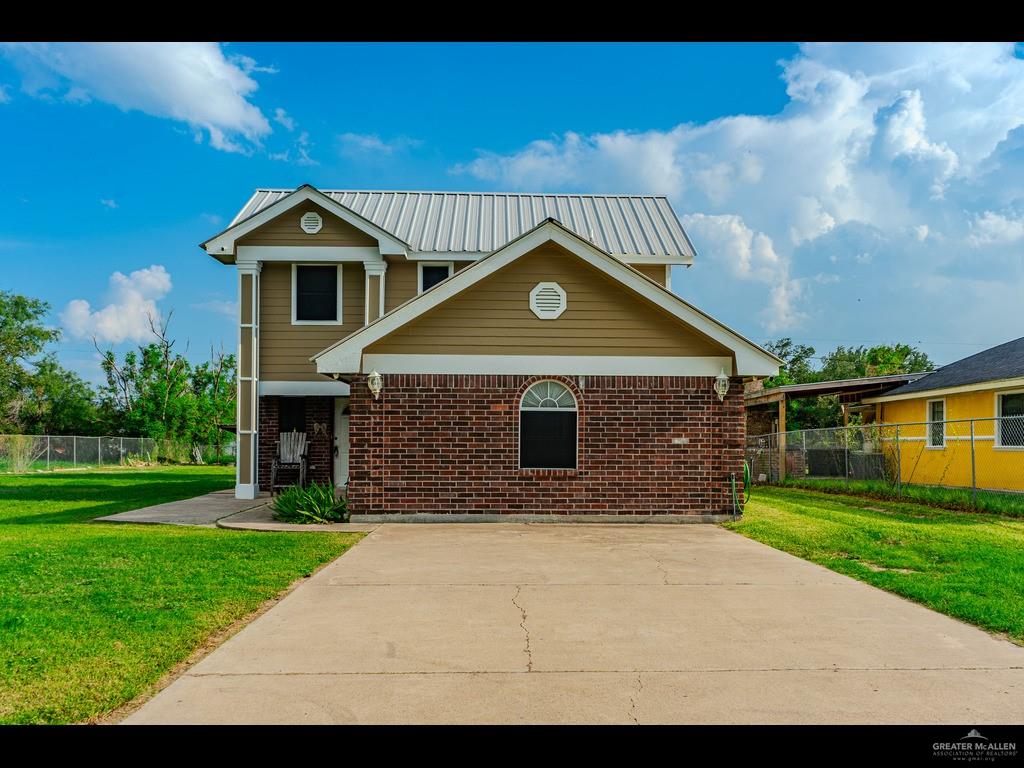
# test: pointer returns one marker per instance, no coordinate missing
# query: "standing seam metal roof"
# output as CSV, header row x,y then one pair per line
x,y
482,222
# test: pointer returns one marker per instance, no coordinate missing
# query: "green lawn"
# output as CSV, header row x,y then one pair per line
x,y
965,564
995,502
93,614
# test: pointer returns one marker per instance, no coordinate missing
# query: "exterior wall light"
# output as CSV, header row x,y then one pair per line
x,y
721,385
376,383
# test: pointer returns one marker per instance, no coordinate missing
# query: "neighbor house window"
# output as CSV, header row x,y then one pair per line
x,y
433,273
936,423
291,414
1010,409
316,293
547,427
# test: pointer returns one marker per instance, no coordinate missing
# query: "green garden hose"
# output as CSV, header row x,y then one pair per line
x,y
736,508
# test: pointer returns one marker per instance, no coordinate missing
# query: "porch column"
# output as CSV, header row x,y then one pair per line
x,y
247,420
374,289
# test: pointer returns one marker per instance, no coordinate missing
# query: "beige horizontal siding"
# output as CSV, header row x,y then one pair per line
x,y
285,230
657,272
285,348
494,317
399,283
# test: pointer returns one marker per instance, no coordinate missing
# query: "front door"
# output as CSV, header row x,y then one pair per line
x,y
341,441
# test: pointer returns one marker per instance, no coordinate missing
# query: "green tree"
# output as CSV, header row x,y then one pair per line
x,y
796,368
155,392
58,402
23,336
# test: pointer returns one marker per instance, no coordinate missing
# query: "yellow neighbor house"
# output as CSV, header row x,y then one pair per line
x,y
963,424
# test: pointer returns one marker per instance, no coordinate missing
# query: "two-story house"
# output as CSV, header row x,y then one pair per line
x,y
474,354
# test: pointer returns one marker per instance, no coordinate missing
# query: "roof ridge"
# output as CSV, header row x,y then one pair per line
x,y
471,192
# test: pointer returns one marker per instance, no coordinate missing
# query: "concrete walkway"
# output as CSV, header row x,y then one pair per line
x,y
592,624
200,510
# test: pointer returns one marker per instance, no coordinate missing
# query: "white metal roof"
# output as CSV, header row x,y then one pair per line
x,y
481,222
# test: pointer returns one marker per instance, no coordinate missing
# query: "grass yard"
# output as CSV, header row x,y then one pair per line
x,y
994,502
93,614
965,564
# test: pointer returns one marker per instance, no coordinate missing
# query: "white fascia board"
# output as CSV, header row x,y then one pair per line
x,y
548,365
300,388
224,243
250,254
751,360
931,394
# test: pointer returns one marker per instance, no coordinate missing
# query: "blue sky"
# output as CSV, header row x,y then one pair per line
x,y
835,194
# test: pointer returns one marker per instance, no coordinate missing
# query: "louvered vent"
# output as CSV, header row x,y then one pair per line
x,y
547,300
311,222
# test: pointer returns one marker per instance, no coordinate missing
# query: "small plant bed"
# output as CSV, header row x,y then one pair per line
x,y
967,565
994,502
316,503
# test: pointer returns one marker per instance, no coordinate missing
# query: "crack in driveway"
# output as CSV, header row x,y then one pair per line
x,y
634,700
527,650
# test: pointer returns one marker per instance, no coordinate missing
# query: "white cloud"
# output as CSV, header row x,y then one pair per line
x,y
882,152
370,144
108,203
218,306
132,302
299,152
990,228
282,118
212,218
192,83
5,94
742,253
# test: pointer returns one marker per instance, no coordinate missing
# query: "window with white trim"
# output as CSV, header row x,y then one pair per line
x,y
547,427
316,294
1010,410
432,273
936,423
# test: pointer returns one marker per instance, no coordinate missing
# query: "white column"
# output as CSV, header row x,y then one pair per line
x,y
374,301
247,413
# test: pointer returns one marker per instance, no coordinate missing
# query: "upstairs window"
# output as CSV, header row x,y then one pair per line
x,y
432,273
316,293
547,427
1010,409
936,423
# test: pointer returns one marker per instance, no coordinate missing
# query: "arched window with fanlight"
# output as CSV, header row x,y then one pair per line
x,y
547,427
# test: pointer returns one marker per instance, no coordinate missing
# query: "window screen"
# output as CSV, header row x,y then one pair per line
x,y
1011,423
432,275
547,427
316,293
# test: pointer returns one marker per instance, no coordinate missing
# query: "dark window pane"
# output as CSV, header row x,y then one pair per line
x,y
291,414
547,439
316,293
433,275
1011,426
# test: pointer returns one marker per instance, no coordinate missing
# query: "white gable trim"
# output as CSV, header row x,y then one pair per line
x,y
224,243
548,365
345,355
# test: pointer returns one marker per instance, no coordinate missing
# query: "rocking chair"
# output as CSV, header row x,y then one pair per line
x,y
291,454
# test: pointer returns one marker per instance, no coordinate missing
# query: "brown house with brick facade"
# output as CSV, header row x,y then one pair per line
x,y
475,354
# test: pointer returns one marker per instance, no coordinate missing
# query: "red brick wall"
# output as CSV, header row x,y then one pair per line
x,y
319,426
449,443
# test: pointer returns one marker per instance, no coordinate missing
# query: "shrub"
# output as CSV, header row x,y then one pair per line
x,y
315,503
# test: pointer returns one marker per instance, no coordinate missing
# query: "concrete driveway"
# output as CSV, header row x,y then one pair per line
x,y
592,624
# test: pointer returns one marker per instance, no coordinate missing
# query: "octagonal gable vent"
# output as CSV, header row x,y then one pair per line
x,y
311,222
547,300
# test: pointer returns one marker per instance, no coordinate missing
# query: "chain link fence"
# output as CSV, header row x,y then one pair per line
x,y
971,456
29,453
